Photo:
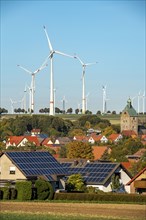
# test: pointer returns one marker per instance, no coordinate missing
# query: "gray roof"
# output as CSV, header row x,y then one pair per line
x,y
129,108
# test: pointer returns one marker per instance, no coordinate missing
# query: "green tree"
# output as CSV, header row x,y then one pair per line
x,y
115,182
75,182
77,149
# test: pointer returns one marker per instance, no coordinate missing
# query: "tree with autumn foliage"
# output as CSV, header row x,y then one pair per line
x,y
78,149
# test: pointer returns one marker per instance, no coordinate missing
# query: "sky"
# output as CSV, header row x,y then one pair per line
x,y
111,33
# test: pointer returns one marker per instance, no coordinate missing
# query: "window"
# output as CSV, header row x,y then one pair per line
x,y
12,170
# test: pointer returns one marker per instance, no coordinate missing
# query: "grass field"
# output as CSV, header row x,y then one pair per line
x,y
71,211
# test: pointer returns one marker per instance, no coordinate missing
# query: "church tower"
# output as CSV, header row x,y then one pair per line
x,y
129,118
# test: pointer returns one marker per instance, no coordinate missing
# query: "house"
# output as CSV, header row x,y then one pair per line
x,y
80,138
97,138
137,156
115,138
21,141
16,166
62,140
138,182
15,141
99,174
129,133
129,118
35,132
99,151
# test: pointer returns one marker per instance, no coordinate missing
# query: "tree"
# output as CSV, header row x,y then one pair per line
x,y
98,112
70,110
114,112
75,182
77,149
115,185
77,111
3,110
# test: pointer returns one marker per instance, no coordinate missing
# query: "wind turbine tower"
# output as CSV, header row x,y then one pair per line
x,y
84,65
12,105
51,55
104,106
33,81
63,104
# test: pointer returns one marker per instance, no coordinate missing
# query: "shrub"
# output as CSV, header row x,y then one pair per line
x,y
24,190
13,193
134,198
5,192
44,189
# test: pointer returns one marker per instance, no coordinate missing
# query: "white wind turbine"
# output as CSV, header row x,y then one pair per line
x,y
33,81
83,82
30,97
52,52
12,105
104,97
143,102
64,101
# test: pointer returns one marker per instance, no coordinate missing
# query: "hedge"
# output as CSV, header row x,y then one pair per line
x,y
24,190
134,198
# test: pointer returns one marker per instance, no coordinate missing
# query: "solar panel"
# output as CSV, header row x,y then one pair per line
x,y
37,163
94,173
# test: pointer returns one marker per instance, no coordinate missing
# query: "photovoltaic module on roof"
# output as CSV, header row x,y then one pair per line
x,y
37,163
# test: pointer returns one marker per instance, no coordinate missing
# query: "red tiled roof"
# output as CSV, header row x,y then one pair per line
x,y
45,142
113,137
129,133
15,140
127,165
98,151
33,139
137,175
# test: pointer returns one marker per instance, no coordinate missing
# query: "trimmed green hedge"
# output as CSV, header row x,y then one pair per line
x,y
134,198
24,190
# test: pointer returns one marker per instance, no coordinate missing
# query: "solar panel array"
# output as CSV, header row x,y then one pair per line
x,y
37,163
93,173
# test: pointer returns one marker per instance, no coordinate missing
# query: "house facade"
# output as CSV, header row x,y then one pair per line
x,y
138,183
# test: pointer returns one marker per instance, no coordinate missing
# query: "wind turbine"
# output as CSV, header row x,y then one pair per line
x,y
87,100
143,102
104,107
33,80
83,82
12,105
63,104
52,52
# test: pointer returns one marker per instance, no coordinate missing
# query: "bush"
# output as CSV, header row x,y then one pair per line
x,y
5,192
44,189
13,193
24,190
134,198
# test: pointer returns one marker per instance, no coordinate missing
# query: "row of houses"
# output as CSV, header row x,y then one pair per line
x,y
16,166
39,139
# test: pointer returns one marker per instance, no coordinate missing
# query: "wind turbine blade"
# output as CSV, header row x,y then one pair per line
x,y
26,70
88,64
64,54
49,43
79,59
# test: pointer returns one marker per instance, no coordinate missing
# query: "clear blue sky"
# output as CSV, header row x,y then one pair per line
x,y
110,32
